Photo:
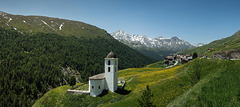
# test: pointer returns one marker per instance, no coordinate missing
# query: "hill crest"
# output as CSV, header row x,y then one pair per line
x,y
64,27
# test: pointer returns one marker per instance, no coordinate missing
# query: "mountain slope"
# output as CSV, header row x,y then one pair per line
x,y
34,24
225,44
33,63
156,48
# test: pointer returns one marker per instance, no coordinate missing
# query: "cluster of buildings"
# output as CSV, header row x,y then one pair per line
x,y
170,60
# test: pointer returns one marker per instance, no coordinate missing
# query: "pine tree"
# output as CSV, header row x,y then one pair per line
x,y
195,55
145,100
72,81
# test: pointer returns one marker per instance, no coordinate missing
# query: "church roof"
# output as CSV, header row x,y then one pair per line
x,y
97,77
111,55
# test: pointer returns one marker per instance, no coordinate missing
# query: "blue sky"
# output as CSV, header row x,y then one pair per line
x,y
196,21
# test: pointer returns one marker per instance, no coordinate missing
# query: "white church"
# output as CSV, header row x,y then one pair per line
x,y
107,80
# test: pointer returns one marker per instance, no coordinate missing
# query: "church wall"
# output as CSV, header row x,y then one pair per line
x,y
96,87
115,76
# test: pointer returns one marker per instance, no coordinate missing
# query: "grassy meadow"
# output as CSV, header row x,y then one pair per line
x,y
166,85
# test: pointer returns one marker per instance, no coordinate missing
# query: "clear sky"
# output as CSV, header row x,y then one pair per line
x,y
196,21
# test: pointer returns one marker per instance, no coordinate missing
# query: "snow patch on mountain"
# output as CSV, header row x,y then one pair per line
x,y
60,27
47,24
9,21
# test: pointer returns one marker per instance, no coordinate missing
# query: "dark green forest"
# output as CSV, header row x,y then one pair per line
x,y
30,64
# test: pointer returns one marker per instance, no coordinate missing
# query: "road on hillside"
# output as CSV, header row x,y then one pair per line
x,y
172,65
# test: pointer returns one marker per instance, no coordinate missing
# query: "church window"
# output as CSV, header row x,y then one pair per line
x,y
108,69
92,87
99,87
109,62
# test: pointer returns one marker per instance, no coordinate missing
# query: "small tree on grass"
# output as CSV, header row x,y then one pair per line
x,y
194,71
145,100
72,81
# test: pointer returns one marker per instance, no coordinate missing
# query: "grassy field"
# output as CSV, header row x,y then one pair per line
x,y
218,86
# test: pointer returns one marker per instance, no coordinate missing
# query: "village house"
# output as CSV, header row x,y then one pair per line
x,y
170,60
202,56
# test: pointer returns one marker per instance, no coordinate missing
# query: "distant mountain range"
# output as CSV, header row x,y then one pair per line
x,y
159,46
198,44
139,41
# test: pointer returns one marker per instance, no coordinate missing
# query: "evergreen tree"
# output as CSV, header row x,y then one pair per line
x,y
146,97
195,55
72,81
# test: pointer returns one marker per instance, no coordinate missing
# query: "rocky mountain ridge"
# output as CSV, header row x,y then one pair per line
x,y
132,40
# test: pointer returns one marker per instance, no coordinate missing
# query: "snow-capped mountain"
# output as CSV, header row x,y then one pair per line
x,y
198,44
173,43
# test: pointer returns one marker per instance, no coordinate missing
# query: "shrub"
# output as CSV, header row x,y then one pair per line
x,y
194,71
145,100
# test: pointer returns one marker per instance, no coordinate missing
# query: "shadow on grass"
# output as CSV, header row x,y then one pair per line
x,y
119,91
123,92
104,92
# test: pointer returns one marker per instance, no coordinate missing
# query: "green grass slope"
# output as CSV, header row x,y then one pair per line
x,y
218,87
229,43
166,85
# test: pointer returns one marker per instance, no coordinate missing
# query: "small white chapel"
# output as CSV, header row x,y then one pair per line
x,y
107,80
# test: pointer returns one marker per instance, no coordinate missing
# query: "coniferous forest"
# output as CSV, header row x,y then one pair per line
x,y
30,64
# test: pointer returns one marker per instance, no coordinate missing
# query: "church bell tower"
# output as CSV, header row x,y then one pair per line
x,y
111,72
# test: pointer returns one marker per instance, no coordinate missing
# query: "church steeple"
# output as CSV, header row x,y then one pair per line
x,y
111,55
111,72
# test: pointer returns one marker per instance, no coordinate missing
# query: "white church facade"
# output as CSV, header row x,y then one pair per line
x,y
107,80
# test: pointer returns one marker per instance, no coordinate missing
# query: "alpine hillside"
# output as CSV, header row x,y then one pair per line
x,y
226,47
156,48
40,53
34,24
